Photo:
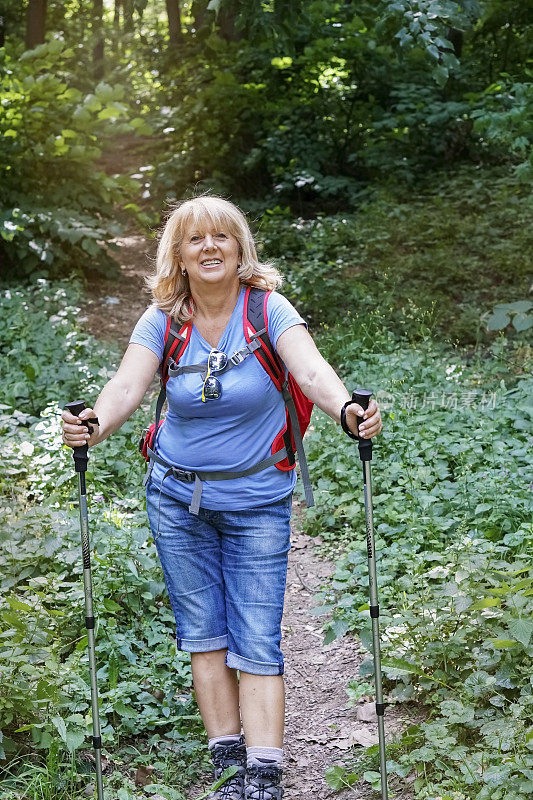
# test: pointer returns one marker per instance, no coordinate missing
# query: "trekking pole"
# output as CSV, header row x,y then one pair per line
x,y
81,459
362,397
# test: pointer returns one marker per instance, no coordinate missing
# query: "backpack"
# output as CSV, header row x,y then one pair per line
x,y
298,408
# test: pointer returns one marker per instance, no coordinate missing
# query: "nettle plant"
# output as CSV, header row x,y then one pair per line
x,y
455,577
148,711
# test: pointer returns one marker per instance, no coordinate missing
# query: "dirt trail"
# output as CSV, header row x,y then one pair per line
x,y
320,727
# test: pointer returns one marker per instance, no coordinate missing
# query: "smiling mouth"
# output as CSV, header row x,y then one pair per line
x,y
211,262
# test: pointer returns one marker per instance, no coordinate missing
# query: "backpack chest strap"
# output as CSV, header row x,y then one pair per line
x,y
174,370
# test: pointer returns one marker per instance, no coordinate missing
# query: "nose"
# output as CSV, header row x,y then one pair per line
x,y
209,243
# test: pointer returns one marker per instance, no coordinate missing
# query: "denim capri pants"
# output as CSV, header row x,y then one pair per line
x,y
225,573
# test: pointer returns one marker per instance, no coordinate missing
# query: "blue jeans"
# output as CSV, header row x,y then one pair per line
x,y
225,573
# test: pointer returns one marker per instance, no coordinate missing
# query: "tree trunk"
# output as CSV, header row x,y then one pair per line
x,y
199,13
35,23
175,33
455,36
98,33
116,18
226,23
127,15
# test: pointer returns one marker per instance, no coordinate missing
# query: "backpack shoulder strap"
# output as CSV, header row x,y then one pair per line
x,y
175,343
255,322
176,340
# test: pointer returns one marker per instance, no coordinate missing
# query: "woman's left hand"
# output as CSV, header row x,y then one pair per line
x,y
371,425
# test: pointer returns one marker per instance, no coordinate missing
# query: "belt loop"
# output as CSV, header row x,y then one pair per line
x,y
194,507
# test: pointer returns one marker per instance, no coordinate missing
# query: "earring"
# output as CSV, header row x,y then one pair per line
x,y
183,272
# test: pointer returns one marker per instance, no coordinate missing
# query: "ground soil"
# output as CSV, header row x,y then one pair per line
x,y
321,729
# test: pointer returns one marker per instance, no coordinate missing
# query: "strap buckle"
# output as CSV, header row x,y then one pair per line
x,y
183,475
237,358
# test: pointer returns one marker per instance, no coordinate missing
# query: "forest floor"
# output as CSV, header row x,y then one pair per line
x,y
321,728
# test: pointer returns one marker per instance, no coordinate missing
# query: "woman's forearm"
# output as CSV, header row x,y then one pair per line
x,y
325,389
116,403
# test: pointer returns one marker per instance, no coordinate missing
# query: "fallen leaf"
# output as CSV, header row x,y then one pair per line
x,y
363,738
142,776
340,744
367,713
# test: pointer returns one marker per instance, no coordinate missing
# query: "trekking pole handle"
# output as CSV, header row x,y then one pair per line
x,y
80,454
362,398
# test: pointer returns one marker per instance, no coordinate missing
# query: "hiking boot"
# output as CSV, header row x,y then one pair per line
x,y
263,782
224,756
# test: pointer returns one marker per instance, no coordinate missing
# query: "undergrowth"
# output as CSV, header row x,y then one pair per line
x,y
148,713
452,510
434,264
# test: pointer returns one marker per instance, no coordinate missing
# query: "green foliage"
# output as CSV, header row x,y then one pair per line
x,y
418,266
453,531
58,210
147,709
504,115
311,112
518,314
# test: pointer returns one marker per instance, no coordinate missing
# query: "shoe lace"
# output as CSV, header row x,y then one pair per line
x,y
229,755
263,783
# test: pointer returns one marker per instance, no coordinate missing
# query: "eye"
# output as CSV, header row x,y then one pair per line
x,y
221,236
195,238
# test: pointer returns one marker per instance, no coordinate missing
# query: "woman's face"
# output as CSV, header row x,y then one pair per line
x,y
209,255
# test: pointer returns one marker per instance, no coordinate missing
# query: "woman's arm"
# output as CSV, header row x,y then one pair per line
x,y
117,401
321,384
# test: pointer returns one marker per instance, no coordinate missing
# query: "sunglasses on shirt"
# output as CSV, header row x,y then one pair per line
x,y
212,388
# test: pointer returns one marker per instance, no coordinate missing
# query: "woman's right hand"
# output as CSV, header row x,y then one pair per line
x,y
75,434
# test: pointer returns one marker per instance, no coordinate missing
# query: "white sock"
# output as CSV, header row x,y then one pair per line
x,y
228,739
264,755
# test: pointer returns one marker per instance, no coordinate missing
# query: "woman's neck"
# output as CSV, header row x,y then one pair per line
x,y
216,303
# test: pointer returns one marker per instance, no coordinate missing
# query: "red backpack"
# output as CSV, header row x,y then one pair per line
x,y
297,407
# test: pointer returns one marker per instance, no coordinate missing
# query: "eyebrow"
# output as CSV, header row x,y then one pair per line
x,y
214,231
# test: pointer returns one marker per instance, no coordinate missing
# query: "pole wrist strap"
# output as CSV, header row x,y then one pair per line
x,y
344,424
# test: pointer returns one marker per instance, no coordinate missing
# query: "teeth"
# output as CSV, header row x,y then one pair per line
x,y
212,261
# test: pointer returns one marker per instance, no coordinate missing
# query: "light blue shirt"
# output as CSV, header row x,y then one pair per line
x,y
232,433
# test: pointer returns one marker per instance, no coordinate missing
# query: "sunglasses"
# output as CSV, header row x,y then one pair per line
x,y
212,388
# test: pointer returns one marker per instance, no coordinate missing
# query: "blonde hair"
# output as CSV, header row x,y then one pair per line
x,y
170,289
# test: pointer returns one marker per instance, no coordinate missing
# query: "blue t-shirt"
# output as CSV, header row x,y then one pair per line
x,y
232,433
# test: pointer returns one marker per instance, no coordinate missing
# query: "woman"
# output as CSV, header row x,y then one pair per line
x,y
225,566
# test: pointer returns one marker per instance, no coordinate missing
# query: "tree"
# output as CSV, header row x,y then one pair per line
x,y
98,32
174,22
35,23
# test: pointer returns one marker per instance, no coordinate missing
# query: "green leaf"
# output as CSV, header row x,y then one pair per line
x,y
456,711
522,322
61,728
74,740
486,602
338,777
498,320
521,629
501,644
373,778
519,305
111,606
401,666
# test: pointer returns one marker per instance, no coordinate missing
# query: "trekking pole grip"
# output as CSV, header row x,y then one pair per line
x,y
80,454
362,398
